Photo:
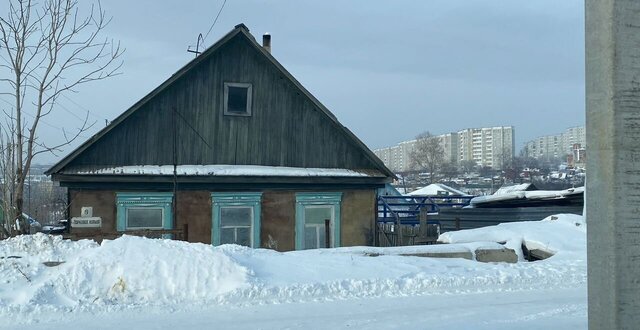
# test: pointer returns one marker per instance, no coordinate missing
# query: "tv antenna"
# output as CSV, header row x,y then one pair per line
x,y
197,50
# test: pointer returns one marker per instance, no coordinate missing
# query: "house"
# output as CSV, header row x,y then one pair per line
x,y
236,148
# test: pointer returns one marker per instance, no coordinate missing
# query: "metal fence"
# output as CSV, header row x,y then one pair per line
x,y
470,218
435,215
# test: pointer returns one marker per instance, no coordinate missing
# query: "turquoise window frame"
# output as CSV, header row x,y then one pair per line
x,y
126,200
235,199
333,199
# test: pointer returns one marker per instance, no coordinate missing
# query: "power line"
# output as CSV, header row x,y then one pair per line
x,y
215,20
84,108
66,97
43,121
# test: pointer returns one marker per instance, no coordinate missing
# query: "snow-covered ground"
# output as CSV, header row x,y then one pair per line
x,y
161,284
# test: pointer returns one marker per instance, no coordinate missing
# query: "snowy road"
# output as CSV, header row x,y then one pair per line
x,y
536,309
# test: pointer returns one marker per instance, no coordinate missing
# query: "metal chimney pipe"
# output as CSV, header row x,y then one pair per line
x,y
266,42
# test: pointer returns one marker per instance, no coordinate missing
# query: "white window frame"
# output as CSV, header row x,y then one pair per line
x,y
249,88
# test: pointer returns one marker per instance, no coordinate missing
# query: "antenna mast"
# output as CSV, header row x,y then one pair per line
x,y
197,50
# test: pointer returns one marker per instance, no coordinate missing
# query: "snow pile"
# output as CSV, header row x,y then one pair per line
x,y
126,271
132,272
562,234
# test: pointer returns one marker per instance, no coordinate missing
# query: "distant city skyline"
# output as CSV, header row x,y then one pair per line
x,y
550,146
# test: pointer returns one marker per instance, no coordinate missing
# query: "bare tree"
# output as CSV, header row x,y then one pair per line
x,y
468,165
7,179
52,48
449,170
427,154
513,169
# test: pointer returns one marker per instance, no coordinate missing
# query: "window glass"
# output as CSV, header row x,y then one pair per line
x,y
315,237
235,225
315,227
237,99
236,216
317,215
144,218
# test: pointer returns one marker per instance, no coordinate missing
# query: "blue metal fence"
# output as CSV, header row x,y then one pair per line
x,y
405,210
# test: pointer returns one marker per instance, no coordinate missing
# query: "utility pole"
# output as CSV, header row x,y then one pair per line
x,y
613,181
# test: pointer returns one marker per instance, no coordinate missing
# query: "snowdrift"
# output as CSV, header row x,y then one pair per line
x,y
131,272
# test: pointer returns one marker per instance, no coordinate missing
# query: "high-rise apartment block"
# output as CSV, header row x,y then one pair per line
x,y
489,146
556,146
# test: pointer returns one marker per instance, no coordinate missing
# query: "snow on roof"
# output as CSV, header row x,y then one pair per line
x,y
224,170
437,189
531,195
511,189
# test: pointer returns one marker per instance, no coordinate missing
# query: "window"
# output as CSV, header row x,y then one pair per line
x,y
237,99
316,220
235,225
317,214
145,210
143,217
236,218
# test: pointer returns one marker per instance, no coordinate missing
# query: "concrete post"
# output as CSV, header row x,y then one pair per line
x,y
613,162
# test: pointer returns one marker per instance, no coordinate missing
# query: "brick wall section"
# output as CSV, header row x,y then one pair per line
x,y
278,215
278,220
357,217
194,208
103,203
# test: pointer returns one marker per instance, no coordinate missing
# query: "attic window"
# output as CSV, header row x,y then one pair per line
x,y
237,99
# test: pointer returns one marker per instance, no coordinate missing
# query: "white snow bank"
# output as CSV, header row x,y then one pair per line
x,y
127,271
562,234
132,272
225,170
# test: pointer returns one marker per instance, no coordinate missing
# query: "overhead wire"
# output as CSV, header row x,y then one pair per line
x,y
214,21
69,99
43,121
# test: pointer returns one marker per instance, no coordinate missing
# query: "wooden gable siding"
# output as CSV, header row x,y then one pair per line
x,y
285,129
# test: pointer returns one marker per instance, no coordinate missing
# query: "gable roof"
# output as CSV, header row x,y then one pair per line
x,y
239,29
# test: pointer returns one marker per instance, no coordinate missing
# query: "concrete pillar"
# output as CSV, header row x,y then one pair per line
x,y
613,162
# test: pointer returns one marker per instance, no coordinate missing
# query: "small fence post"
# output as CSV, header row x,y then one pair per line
x,y
457,223
422,218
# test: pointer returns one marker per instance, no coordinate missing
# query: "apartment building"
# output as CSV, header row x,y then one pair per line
x,y
397,158
556,146
489,146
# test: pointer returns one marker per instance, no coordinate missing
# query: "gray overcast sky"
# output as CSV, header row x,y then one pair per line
x,y
388,70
